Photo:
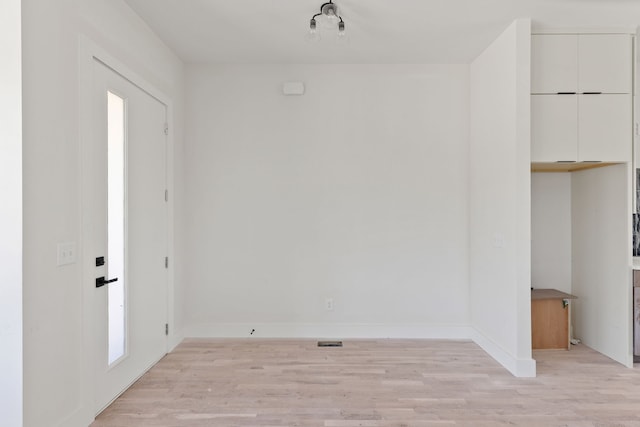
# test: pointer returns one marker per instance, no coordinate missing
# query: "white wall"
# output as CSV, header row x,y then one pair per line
x,y
56,393
601,260
499,257
10,215
551,231
356,191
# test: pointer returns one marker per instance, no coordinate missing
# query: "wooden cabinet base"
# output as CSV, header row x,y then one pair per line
x,y
549,324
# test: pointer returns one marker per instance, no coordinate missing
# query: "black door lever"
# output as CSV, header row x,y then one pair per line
x,y
100,281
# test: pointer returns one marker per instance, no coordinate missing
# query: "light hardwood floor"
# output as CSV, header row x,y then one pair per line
x,y
396,383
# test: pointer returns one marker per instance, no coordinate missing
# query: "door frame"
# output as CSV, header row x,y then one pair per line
x,y
88,53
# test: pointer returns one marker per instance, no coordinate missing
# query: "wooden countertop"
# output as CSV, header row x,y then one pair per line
x,y
550,294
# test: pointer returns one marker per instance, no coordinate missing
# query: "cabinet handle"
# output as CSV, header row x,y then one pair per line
x,y
566,93
592,93
566,161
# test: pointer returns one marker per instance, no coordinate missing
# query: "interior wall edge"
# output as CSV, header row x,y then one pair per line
x,y
519,367
11,216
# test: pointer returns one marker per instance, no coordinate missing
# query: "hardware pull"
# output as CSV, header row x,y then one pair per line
x,y
566,93
100,281
592,93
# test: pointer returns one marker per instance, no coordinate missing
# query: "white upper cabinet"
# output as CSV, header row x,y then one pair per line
x,y
555,65
581,103
604,63
566,63
555,129
605,128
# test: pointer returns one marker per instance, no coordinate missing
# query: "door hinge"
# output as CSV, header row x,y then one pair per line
x,y
166,128
637,129
166,329
166,262
166,195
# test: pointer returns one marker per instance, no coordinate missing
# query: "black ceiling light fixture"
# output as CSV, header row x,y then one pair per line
x,y
328,18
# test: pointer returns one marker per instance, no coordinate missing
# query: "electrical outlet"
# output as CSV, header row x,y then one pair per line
x,y
66,253
328,304
499,241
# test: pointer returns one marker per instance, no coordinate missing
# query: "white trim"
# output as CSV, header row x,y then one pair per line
x,y
77,418
88,52
12,330
129,385
525,368
546,29
174,341
328,330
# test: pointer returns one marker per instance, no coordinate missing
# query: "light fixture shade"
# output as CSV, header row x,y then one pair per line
x,y
342,34
313,35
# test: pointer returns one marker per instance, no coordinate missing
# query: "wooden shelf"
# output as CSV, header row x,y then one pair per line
x,y
550,294
567,167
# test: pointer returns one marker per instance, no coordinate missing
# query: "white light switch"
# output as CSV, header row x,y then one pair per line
x,y
66,253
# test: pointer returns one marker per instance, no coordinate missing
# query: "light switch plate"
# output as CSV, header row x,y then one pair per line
x,y
293,88
66,253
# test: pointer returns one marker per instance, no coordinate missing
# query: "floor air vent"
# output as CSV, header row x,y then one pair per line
x,y
329,343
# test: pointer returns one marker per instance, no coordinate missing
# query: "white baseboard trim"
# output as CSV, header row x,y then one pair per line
x,y
327,330
174,341
81,417
523,368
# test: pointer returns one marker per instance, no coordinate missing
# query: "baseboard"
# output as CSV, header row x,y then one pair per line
x,y
524,368
174,341
327,330
626,360
81,417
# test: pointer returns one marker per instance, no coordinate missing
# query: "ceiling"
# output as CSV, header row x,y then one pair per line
x,y
379,31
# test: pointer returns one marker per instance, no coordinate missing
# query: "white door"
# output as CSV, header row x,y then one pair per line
x,y
127,214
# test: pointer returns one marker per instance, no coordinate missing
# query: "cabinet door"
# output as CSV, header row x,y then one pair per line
x,y
554,128
605,63
605,128
554,63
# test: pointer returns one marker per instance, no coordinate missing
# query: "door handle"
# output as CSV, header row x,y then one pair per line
x,y
100,281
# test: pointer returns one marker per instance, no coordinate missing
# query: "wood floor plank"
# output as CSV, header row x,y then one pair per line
x,y
381,383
